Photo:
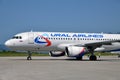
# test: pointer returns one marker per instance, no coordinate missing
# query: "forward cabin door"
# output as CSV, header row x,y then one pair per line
x,y
30,38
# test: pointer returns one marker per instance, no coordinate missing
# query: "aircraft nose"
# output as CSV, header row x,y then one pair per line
x,y
7,43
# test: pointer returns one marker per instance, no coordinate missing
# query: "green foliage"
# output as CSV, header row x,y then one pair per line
x,y
13,53
103,54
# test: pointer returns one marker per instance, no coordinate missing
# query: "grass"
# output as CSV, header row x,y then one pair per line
x,y
105,54
12,53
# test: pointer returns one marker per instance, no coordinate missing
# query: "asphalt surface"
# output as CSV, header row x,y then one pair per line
x,y
61,68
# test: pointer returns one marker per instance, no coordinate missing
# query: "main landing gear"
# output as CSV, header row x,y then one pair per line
x,y
92,56
79,58
29,56
118,55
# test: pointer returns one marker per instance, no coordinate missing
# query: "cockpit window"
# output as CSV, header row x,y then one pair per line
x,y
17,37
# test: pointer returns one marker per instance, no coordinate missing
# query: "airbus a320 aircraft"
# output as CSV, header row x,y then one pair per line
x,y
62,43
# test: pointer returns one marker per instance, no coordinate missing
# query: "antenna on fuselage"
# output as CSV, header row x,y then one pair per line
x,y
31,30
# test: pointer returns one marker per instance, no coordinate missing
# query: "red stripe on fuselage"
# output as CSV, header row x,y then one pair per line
x,y
48,42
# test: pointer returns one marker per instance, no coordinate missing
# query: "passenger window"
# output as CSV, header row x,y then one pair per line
x,y
74,38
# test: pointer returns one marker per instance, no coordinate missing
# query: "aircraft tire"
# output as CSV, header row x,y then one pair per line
x,y
119,56
93,58
78,58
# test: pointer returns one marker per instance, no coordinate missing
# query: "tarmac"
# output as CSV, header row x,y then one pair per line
x,y
61,68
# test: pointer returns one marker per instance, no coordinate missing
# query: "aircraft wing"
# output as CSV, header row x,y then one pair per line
x,y
98,44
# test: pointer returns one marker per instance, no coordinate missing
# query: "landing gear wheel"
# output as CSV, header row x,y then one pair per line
x,y
29,55
78,58
119,56
93,58
29,58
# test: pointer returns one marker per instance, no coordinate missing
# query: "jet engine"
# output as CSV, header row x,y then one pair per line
x,y
56,53
75,51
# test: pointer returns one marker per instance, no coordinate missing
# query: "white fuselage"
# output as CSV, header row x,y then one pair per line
x,y
54,41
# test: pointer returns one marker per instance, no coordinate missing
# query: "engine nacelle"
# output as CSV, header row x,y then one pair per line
x,y
75,51
56,53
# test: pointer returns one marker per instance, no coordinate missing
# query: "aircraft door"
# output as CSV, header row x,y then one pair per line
x,y
30,38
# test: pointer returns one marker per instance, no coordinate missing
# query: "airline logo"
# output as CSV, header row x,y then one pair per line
x,y
77,35
42,40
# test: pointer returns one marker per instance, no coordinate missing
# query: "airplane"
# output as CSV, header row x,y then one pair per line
x,y
64,43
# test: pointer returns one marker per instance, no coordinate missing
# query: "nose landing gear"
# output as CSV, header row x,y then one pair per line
x,y
29,56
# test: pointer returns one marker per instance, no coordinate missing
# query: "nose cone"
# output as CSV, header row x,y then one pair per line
x,y
7,43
